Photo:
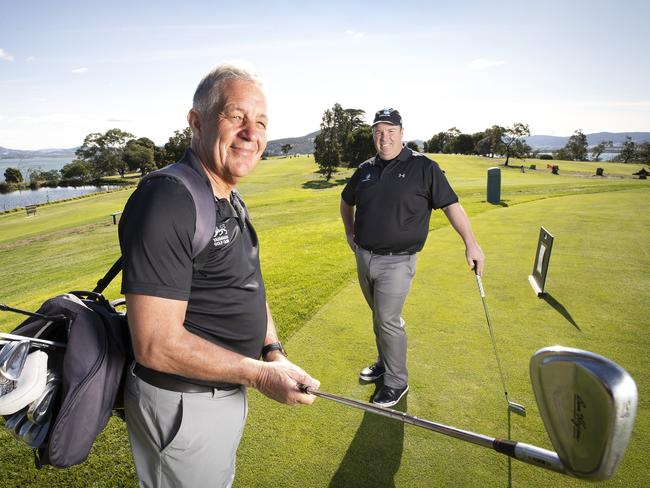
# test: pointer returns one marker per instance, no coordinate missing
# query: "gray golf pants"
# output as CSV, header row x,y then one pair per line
x,y
385,282
183,440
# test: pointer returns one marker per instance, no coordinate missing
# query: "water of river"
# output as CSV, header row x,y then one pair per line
x,y
25,165
15,199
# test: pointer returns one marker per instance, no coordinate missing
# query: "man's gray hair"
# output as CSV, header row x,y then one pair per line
x,y
207,97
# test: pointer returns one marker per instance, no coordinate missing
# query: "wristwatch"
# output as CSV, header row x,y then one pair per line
x,y
274,346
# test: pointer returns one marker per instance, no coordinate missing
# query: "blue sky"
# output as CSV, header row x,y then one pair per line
x,y
71,68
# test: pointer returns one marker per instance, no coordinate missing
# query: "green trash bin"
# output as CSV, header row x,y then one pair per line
x,y
494,185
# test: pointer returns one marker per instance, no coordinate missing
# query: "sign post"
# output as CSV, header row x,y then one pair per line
x,y
542,258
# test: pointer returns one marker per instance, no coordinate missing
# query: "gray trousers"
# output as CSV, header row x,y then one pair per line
x,y
385,282
183,439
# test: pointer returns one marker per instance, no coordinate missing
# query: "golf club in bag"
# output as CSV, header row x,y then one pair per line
x,y
588,405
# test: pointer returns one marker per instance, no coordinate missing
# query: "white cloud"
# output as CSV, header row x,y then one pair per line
x,y
30,58
5,55
484,63
79,70
354,34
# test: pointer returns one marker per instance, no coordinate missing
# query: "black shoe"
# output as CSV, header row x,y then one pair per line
x,y
387,396
372,372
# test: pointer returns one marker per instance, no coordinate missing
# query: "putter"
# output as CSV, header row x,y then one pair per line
x,y
588,405
13,359
513,407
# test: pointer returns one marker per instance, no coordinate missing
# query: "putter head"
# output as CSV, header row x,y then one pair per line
x,y
588,405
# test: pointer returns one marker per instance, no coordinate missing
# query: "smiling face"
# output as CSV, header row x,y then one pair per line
x,y
230,142
388,140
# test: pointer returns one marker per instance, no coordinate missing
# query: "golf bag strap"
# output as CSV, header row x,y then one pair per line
x,y
108,277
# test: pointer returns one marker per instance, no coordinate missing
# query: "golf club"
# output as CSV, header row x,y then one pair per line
x,y
7,308
33,434
40,410
35,342
588,405
12,359
517,408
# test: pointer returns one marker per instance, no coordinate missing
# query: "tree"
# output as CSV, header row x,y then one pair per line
x,y
13,175
511,135
139,155
436,143
628,153
575,149
413,145
519,149
330,146
37,176
76,170
643,152
104,152
286,148
359,146
450,140
462,144
599,148
176,146
493,143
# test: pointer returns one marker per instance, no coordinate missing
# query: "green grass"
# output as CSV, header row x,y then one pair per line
x,y
597,282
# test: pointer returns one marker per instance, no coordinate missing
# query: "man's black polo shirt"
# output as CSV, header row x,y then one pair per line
x,y
394,199
226,295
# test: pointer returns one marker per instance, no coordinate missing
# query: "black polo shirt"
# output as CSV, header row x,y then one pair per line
x,y
394,199
225,294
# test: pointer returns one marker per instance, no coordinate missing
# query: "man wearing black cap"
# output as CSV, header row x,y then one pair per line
x,y
386,207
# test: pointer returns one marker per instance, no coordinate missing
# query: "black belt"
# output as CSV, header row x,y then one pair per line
x,y
390,253
168,382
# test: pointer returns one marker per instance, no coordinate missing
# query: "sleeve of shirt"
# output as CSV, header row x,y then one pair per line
x,y
442,195
156,231
349,192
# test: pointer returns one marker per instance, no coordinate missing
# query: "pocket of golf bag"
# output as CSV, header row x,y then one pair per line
x,y
92,367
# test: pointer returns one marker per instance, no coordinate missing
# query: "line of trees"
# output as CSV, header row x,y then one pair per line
x,y
107,154
577,149
493,141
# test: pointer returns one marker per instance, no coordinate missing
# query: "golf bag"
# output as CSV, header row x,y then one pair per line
x,y
92,365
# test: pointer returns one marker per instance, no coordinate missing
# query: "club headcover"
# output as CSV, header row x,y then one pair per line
x,y
29,385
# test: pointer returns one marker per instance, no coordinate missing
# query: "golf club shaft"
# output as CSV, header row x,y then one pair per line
x,y
523,452
7,308
33,340
481,290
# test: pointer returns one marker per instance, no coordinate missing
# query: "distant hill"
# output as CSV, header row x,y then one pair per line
x,y
300,145
6,153
556,142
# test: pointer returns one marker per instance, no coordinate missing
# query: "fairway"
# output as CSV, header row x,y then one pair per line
x,y
598,300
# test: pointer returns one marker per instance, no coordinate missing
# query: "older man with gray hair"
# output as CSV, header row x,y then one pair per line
x,y
199,331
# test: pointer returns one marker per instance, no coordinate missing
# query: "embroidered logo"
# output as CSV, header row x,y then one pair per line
x,y
221,237
401,175
366,178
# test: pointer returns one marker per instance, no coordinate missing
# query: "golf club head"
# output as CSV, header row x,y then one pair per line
x,y
40,410
15,422
588,405
33,434
13,359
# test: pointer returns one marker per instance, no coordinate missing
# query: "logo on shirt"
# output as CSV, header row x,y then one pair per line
x,y
401,175
221,237
366,178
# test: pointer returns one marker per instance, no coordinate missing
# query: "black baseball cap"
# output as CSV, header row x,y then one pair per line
x,y
387,116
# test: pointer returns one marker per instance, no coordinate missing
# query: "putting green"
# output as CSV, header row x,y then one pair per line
x,y
597,286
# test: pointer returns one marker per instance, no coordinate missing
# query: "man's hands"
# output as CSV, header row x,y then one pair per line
x,y
279,380
475,258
